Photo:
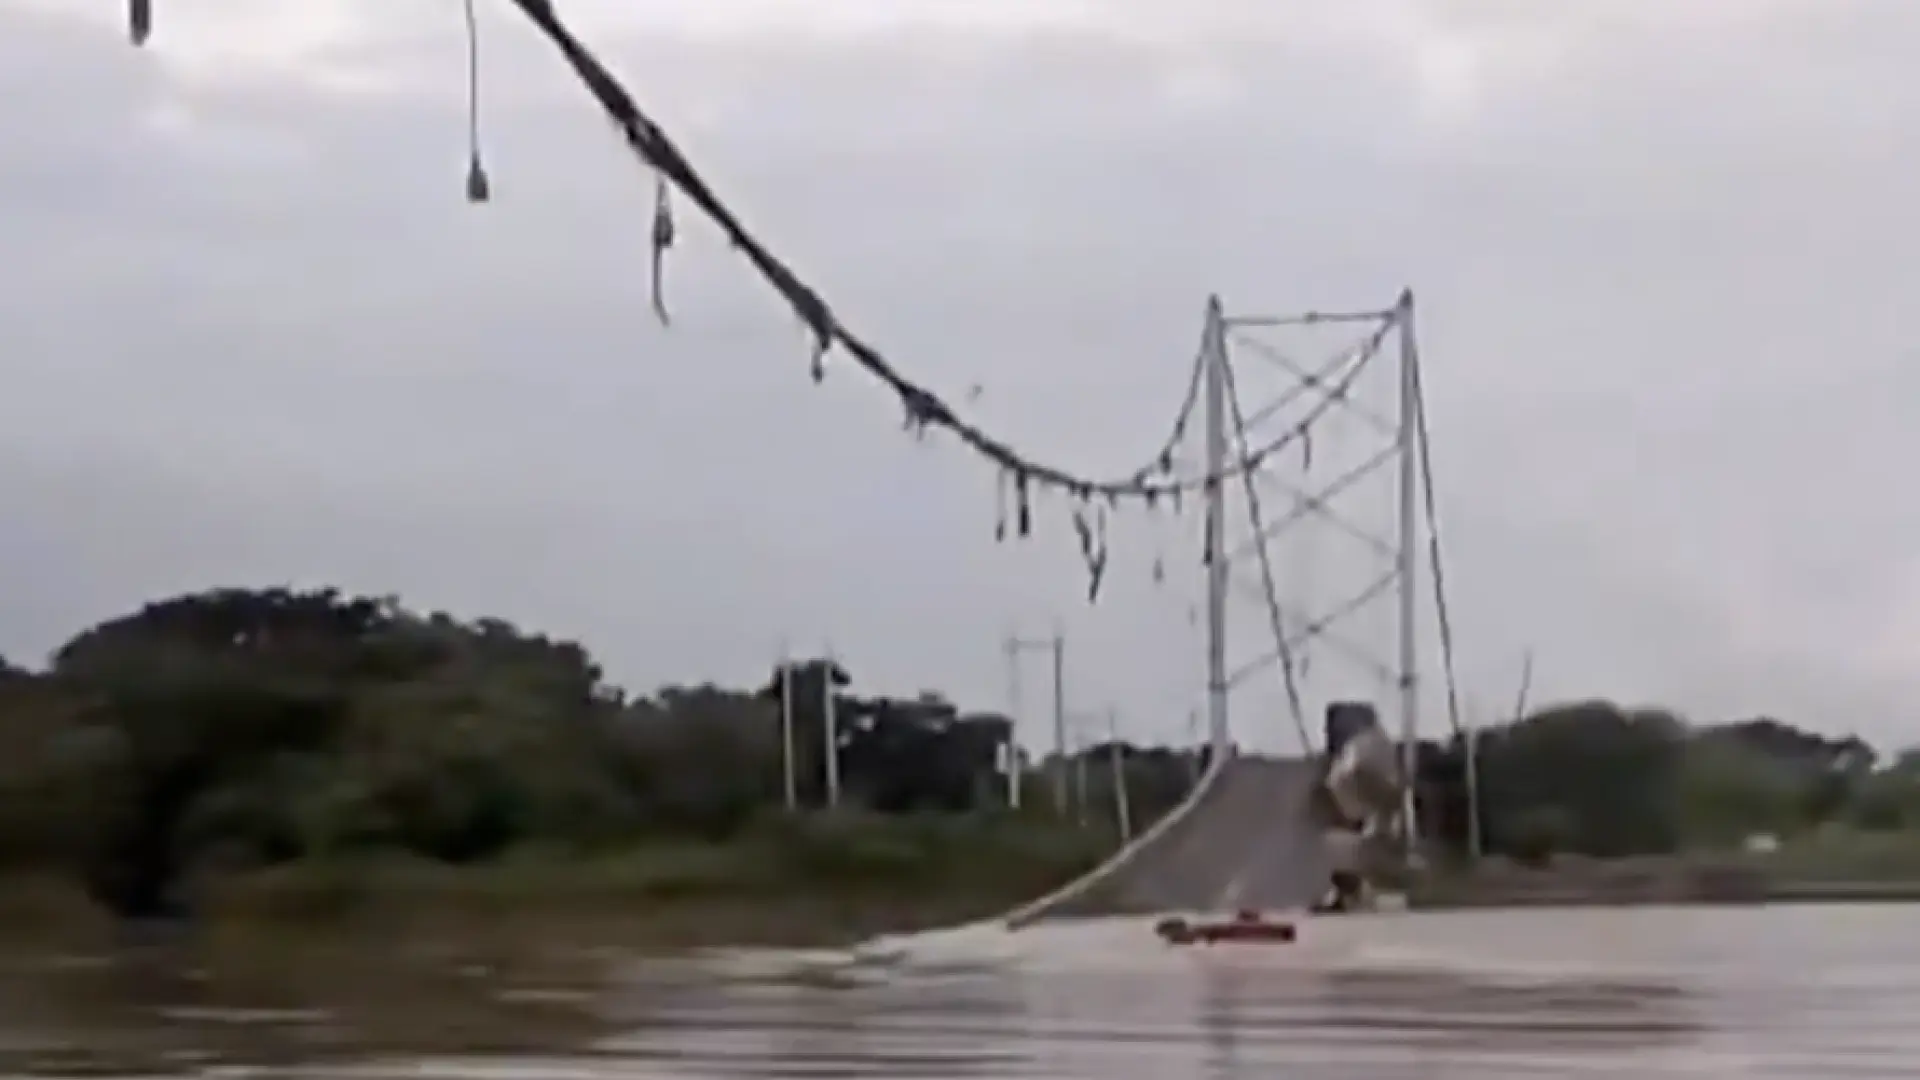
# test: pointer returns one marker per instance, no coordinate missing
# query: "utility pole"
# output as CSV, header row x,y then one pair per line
x,y
831,724
1193,754
789,778
1122,808
1060,710
1475,844
1057,645
1214,351
1013,772
1406,571
1081,788
1011,648
1468,736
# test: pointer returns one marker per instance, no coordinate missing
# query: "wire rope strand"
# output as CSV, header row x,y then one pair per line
x,y
1256,518
479,187
1436,563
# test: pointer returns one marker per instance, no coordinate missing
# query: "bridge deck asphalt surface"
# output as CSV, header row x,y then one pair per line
x,y
1252,843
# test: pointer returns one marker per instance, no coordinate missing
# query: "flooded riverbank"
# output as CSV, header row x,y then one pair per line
x,y
1861,872
1651,992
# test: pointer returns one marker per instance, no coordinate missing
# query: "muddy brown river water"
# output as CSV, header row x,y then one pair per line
x,y
1802,992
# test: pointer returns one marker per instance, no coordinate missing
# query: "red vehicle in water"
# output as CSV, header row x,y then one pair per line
x,y
1244,926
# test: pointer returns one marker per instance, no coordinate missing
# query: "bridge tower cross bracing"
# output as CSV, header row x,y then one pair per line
x,y
1245,441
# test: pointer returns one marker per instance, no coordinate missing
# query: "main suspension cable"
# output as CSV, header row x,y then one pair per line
x,y
1020,474
1162,459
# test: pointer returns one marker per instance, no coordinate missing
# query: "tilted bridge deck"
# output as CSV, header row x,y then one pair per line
x,y
1251,840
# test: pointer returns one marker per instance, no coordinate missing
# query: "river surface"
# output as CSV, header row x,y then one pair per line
x,y
1799,992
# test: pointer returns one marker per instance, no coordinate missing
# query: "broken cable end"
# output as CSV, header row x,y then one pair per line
x,y
479,188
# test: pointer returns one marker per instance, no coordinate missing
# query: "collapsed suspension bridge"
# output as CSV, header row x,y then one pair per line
x,y
1255,830
1251,832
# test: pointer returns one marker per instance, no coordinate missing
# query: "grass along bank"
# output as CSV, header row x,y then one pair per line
x,y
820,879
1832,865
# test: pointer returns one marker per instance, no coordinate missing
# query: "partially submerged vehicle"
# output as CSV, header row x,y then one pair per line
x,y
1243,926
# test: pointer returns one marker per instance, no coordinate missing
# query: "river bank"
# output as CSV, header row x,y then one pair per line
x,y
1833,868
1460,896
803,883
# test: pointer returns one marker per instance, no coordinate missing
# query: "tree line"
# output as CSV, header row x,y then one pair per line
x,y
236,729
1593,778
242,728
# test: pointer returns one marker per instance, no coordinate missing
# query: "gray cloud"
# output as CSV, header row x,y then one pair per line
x,y
252,333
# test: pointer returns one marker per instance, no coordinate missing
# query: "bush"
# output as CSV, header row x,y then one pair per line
x,y
1537,835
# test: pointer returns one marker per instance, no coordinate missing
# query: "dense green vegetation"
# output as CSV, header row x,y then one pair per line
x,y
308,751
1594,779
315,747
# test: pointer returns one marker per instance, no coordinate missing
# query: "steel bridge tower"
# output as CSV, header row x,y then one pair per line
x,y
1317,422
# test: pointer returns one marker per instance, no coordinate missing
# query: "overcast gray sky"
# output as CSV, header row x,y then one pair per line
x,y
251,333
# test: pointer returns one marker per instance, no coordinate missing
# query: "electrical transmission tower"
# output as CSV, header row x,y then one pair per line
x,y
1317,424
